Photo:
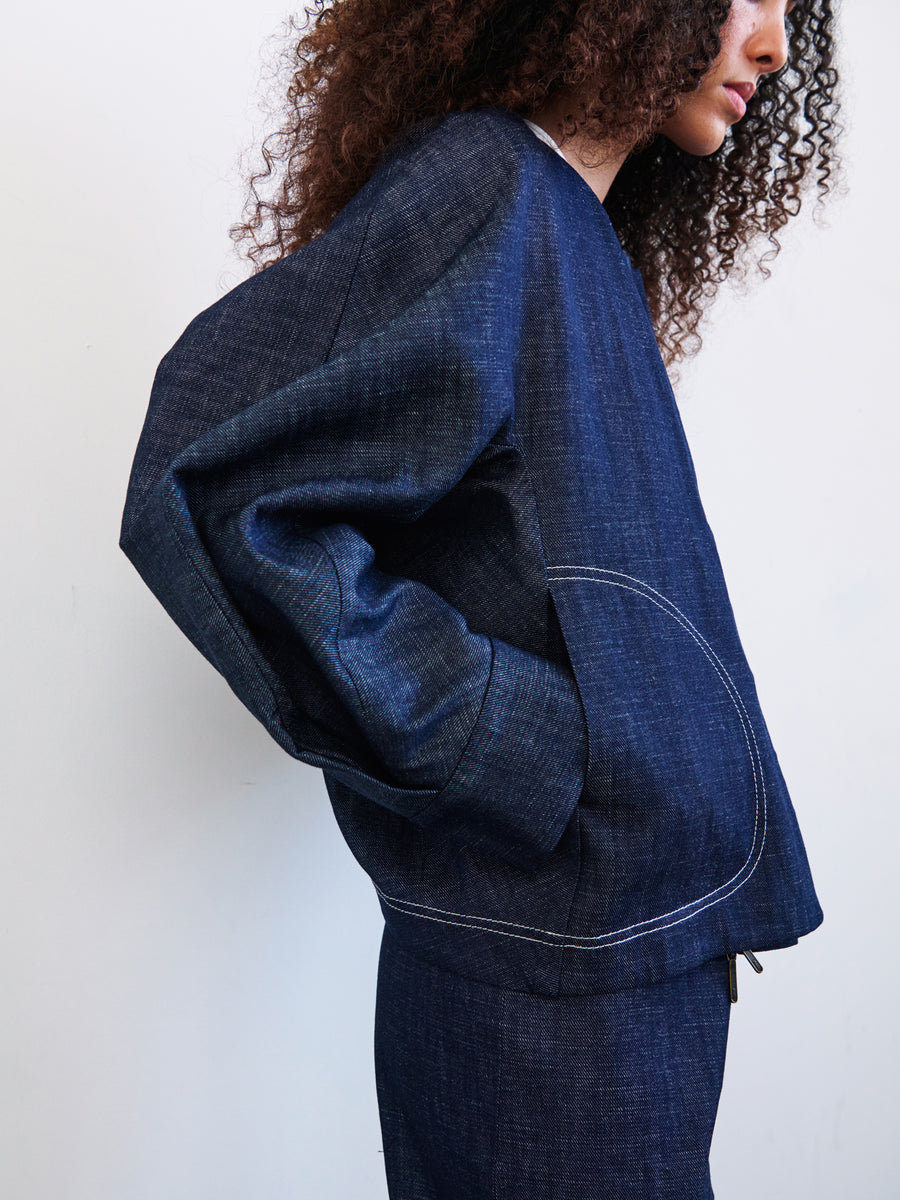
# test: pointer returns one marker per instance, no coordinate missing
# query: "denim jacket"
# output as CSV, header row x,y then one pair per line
x,y
421,493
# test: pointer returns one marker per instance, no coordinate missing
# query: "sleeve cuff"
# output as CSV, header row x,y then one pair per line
x,y
514,789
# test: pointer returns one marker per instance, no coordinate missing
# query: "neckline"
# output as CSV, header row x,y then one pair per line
x,y
582,183
545,137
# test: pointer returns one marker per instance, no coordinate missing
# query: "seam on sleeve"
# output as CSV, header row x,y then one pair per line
x,y
328,552
436,798
160,481
356,261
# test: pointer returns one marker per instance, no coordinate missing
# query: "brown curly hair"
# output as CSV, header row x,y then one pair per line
x,y
363,72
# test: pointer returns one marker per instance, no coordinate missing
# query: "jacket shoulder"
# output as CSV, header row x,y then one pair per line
x,y
432,191
449,174
454,191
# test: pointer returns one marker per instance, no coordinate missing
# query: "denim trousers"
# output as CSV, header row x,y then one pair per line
x,y
486,1093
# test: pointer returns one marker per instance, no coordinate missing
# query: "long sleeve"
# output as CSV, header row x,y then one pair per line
x,y
260,484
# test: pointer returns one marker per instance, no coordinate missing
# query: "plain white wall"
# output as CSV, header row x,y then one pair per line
x,y
188,949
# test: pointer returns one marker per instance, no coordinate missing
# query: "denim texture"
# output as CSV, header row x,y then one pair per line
x,y
492,1094
421,493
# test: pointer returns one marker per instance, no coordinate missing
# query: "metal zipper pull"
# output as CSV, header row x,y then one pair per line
x,y
732,976
753,961
732,970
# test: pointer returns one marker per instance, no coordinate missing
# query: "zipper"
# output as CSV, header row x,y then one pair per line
x,y
732,970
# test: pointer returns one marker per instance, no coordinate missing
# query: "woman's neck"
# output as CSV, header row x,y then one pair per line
x,y
605,160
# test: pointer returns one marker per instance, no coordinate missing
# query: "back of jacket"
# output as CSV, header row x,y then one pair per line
x,y
420,492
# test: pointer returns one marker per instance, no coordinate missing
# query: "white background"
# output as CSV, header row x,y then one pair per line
x,y
188,949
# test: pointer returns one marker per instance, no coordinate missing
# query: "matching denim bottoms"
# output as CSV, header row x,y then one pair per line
x,y
491,1094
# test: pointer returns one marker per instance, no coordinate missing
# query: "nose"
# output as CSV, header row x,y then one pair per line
x,y
769,46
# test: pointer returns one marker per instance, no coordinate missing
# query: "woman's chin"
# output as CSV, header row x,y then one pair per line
x,y
694,137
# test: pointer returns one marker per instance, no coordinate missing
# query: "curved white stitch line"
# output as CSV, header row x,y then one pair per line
x,y
687,621
561,945
469,920
743,716
693,629
679,617
755,762
672,605
701,640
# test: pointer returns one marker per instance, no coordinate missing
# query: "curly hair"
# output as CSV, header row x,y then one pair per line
x,y
364,72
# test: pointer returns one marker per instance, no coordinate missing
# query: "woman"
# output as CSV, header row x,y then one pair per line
x,y
419,490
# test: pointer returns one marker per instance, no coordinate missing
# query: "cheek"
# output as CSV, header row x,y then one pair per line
x,y
738,27
698,106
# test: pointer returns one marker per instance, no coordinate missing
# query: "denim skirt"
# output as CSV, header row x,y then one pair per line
x,y
490,1094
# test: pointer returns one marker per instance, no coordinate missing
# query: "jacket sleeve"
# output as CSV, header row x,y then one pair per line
x,y
254,536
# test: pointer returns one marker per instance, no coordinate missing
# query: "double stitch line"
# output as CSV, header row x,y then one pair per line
x,y
601,941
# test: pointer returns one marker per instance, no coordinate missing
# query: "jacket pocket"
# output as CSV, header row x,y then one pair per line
x,y
674,805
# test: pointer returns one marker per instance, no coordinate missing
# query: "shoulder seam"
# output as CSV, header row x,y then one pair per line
x,y
359,252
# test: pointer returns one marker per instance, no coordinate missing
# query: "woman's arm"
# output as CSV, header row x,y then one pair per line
x,y
252,535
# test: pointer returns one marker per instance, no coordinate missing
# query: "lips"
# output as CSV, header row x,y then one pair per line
x,y
744,90
737,100
739,94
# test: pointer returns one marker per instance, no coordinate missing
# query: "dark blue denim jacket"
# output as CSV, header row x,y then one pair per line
x,y
421,493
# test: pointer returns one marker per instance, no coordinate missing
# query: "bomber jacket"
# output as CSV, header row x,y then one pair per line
x,y
421,493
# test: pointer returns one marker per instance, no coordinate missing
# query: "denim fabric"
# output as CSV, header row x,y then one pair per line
x,y
491,1094
421,493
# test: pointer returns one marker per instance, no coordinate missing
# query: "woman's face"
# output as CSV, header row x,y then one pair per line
x,y
754,43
